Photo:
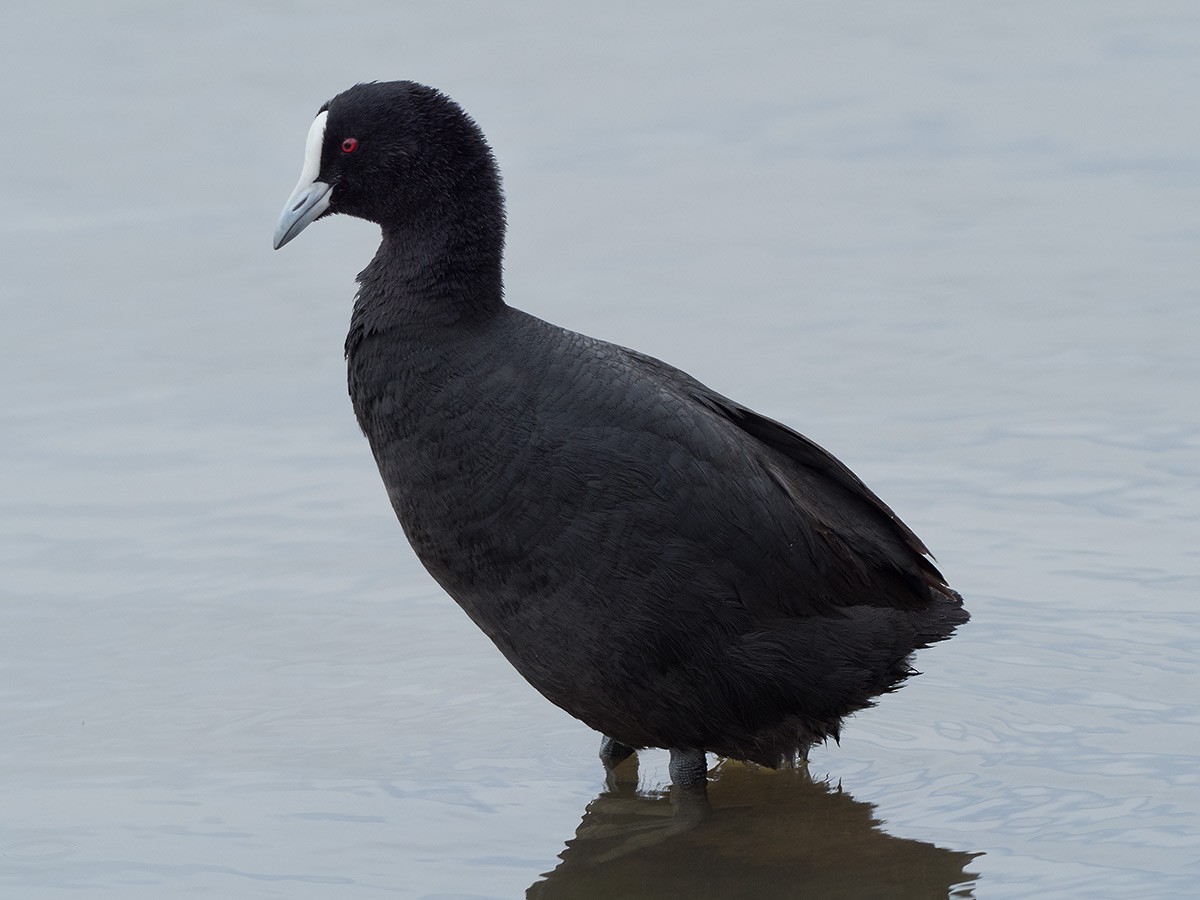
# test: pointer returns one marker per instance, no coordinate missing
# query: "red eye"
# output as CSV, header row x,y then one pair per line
x,y
349,145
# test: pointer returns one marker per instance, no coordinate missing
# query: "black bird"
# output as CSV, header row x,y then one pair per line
x,y
663,563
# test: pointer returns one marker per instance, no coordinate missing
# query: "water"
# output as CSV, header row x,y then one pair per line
x,y
956,245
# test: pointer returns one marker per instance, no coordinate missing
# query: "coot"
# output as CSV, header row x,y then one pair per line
x,y
660,561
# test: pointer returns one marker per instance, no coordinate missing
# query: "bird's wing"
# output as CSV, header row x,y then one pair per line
x,y
833,543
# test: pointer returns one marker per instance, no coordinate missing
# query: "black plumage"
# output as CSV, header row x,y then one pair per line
x,y
658,560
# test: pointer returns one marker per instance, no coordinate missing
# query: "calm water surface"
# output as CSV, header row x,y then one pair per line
x,y
955,244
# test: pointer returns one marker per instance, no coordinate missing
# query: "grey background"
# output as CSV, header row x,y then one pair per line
x,y
954,243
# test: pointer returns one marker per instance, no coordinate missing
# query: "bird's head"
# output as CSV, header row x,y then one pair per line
x,y
389,152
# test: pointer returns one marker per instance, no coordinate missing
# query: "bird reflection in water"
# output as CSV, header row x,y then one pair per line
x,y
757,834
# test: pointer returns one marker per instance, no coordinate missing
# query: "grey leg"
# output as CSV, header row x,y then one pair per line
x,y
613,752
688,768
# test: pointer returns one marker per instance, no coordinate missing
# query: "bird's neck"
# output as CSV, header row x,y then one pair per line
x,y
439,270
